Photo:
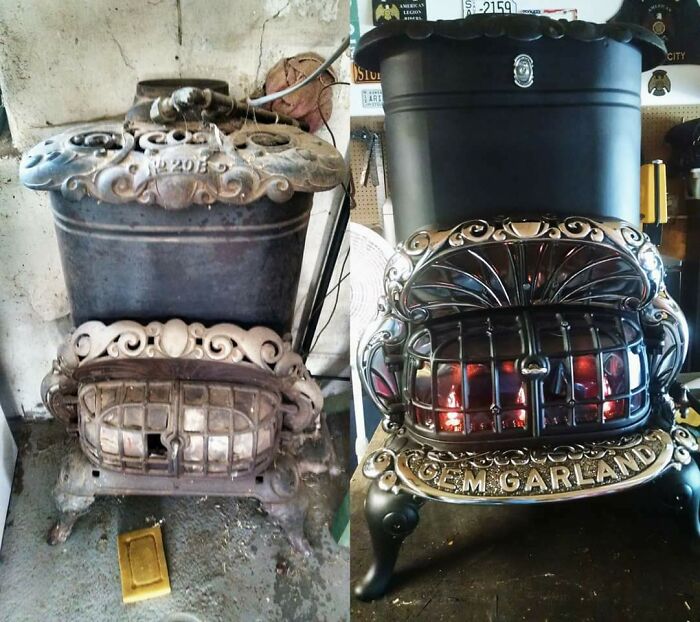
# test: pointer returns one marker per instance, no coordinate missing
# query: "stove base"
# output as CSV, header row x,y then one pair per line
x,y
280,491
407,475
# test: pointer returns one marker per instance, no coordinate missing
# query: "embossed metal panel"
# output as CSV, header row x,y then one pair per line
x,y
521,475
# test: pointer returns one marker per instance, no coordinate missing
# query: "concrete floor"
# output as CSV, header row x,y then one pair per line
x,y
226,561
615,559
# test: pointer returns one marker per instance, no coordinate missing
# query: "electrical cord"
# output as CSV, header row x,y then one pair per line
x,y
350,188
335,288
266,99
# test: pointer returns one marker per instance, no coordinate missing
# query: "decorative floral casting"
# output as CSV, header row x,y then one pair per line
x,y
260,347
174,168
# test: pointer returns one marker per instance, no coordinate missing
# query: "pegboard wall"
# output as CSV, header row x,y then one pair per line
x,y
366,210
656,121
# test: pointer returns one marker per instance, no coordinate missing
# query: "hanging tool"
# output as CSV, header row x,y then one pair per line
x,y
654,201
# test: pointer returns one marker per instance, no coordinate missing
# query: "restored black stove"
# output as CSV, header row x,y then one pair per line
x,y
526,343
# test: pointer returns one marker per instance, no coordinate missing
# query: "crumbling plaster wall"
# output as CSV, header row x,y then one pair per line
x,y
76,60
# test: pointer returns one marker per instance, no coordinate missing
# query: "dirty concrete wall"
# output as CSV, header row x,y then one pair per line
x,y
71,61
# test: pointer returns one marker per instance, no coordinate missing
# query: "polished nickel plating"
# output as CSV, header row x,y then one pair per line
x,y
529,475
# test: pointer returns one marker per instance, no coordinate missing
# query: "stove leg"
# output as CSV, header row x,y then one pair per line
x,y
682,492
391,519
73,494
290,516
71,508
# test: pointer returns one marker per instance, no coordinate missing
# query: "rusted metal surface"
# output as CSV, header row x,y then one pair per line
x,y
187,217
198,146
152,218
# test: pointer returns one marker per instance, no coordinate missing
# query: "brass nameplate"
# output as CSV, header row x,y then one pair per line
x,y
142,565
364,76
536,475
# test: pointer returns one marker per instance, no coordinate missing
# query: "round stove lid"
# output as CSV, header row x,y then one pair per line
x,y
380,42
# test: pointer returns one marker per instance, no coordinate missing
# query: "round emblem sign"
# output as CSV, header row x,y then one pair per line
x,y
523,71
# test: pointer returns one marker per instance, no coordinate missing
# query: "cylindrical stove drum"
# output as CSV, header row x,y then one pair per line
x,y
510,115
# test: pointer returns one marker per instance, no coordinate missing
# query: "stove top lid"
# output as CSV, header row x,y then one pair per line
x,y
378,43
183,143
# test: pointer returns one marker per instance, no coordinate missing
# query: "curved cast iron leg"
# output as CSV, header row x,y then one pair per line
x,y
290,516
70,508
74,493
391,518
682,492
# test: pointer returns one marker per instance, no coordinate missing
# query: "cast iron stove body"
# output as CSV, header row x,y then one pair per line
x,y
181,232
526,357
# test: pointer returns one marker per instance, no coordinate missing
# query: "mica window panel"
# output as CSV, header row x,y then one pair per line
x,y
158,416
135,393
132,442
109,440
243,446
267,405
194,448
194,394
217,448
240,422
160,392
219,420
264,439
507,339
220,396
245,402
108,396
194,418
550,339
133,416
423,384
89,397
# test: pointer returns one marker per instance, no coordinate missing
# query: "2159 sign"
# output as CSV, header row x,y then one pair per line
x,y
489,6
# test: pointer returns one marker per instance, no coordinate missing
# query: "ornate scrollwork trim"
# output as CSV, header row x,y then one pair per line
x,y
621,268
176,167
259,347
666,360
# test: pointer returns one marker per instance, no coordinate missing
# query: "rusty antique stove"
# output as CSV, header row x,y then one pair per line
x,y
181,232
527,356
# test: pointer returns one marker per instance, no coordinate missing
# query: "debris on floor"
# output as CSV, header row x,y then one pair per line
x,y
222,553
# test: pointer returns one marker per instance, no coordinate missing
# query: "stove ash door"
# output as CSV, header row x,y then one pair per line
x,y
515,374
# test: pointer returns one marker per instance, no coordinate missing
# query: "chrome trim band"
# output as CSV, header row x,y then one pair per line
x,y
537,475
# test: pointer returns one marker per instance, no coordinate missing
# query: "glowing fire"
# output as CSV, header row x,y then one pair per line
x,y
611,410
452,398
452,421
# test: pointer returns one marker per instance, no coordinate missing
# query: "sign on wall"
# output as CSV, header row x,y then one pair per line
x,y
677,22
398,9
470,7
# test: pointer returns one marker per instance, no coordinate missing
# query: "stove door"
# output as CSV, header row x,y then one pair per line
x,y
525,373
178,427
